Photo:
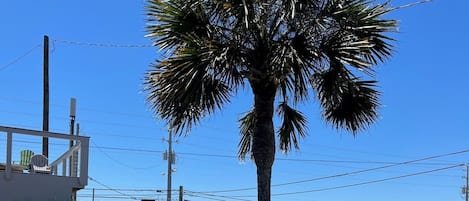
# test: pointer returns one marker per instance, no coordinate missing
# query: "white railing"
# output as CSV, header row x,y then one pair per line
x,y
71,156
79,164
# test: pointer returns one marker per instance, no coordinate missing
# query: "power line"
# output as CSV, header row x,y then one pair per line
x,y
101,44
390,164
362,183
207,195
124,164
113,113
371,182
200,196
84,120
19,58
345,174
104,185
130,189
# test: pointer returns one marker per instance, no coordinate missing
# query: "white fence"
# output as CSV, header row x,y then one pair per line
x,y
74,160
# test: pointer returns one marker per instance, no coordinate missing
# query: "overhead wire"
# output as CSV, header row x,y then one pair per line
x,y
106,186
124,164
210,198
371,182
102,44
19,57
133,193
206,195
86,121
113,113
358,184
389,164
345,174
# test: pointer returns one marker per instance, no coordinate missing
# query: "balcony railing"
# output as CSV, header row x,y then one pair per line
x,y
76,156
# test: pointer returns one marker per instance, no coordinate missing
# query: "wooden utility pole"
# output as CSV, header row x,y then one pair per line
x,y
73,111
170,162
71,160
181,193
45,111
467,183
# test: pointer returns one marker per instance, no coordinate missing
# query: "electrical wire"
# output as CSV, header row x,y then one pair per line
x,y
84,120
206,195
200,196
370,182
361,183
345,174
101,44
124,164
389,164
129,189
104,185
113,113
20,57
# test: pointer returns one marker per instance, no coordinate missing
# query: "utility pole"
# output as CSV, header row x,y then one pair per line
x,y
71,165
466,189
74,166
73,111
45,111
170,157
181,193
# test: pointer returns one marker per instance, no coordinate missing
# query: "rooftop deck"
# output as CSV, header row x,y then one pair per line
x,y
69,166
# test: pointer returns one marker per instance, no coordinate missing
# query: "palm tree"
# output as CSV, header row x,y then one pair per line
x,y
283,50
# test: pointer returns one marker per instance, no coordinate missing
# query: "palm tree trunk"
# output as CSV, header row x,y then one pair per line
x,y
263,144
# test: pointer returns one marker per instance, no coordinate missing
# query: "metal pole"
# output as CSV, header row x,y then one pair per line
x,y
93,195
45,111
73,103
170,160
181,193
467,182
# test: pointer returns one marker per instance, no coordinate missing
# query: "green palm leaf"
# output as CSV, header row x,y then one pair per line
x,y
246,129
347,102
293,127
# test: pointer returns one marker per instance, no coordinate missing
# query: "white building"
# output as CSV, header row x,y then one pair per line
x,y
68,167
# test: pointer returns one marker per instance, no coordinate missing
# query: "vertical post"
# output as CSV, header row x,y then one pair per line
x,y
467,182
181,193
45,111
75,154
93,195
73,103
85,143
8,165
170,160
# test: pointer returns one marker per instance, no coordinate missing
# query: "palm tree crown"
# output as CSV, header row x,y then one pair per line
x,y
278,48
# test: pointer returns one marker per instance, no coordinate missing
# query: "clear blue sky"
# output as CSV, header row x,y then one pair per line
x,y
425,109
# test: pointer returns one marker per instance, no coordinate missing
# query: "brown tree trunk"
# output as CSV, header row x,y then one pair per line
x,y
263,145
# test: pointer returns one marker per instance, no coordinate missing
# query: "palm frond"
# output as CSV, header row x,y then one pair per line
x,y
294,57
347,102
246,129
170,21
183,89
293,126
357,32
